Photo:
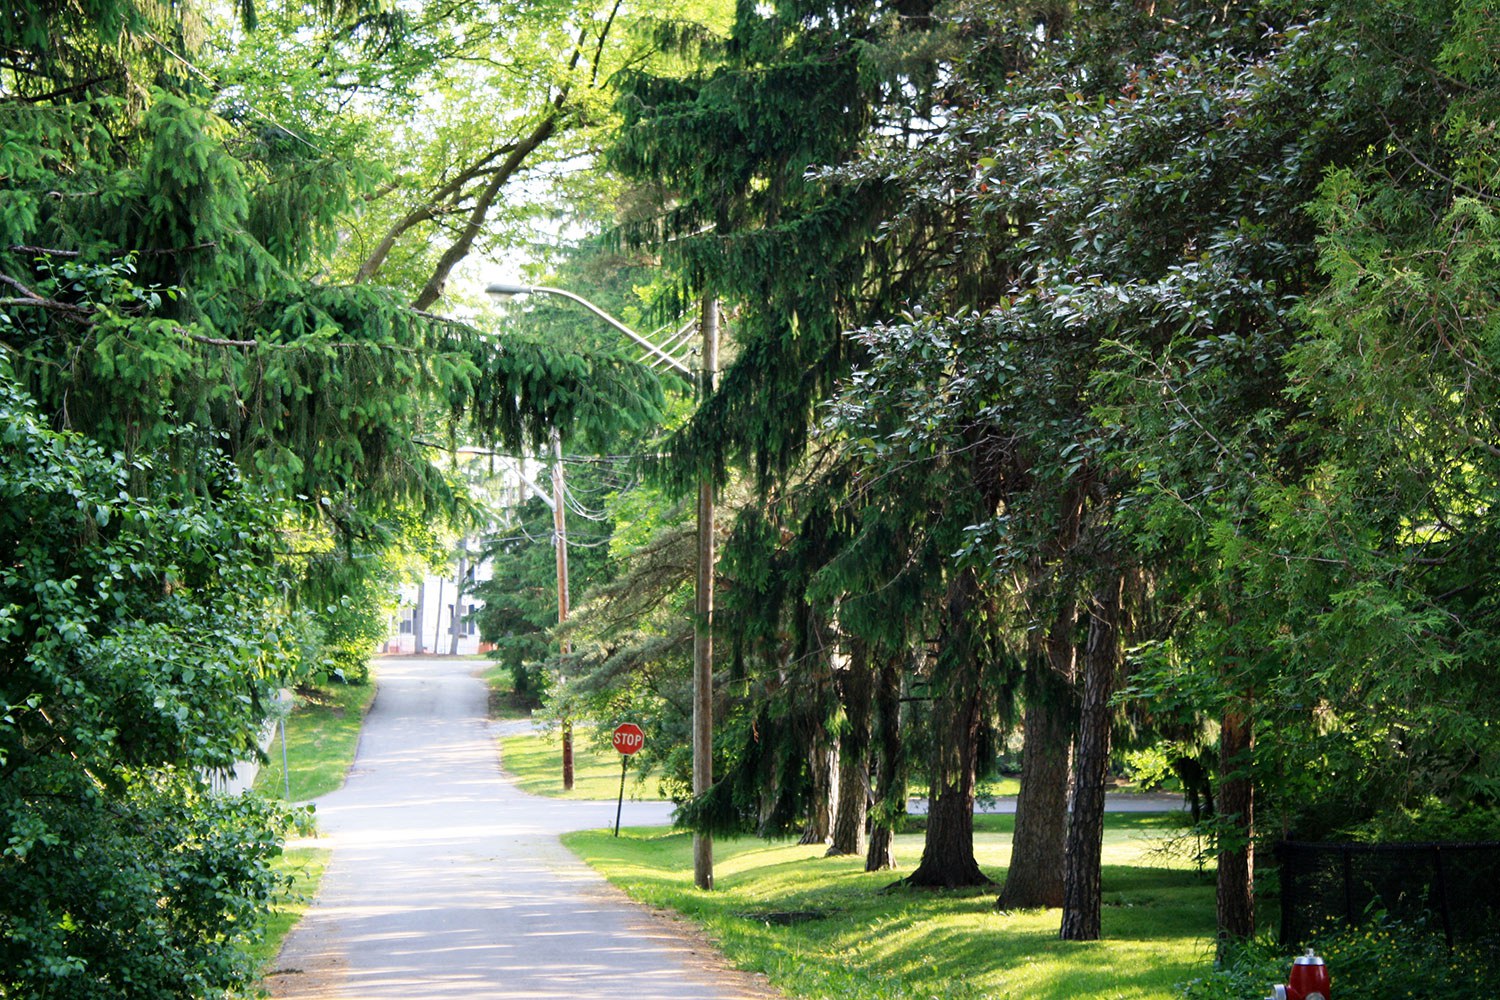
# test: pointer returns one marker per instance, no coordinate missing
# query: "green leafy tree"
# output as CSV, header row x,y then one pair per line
x,y
139,650
182,397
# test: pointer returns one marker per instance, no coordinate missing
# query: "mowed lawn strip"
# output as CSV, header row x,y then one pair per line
x,y
305,865
322,735
534,760
824,928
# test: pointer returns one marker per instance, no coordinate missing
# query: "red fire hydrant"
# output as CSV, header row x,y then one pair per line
x,y
1309,978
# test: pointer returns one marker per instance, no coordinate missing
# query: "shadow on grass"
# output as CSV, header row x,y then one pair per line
x,y
823,927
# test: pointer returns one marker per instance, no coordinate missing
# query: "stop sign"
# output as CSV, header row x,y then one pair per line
x,y
629,738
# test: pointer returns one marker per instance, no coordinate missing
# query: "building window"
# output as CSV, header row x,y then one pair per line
x,y
408,621
466,625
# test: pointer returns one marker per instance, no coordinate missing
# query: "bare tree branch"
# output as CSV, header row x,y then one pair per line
x,y
460,248
431,208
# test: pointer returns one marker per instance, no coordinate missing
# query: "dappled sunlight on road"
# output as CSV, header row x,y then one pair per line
x,y
448,882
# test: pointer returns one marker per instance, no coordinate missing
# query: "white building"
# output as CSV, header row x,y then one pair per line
x,y
424,620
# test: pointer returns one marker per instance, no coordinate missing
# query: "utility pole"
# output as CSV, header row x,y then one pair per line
x,y
703,634
703,629
560,540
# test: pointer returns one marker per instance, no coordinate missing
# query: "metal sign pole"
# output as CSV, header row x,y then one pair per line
x,y
620,804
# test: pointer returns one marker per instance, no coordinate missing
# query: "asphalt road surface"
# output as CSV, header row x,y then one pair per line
x,y
448,882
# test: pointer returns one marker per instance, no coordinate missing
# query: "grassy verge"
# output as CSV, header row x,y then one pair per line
x,y
305,865
322,734
824,928
535,761
504,703
991,788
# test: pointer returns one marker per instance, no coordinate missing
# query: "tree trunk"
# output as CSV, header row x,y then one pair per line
x,y
460,588
890,768
1035,876
418,646
857,683
1236,875
1081,889
948,851
823,765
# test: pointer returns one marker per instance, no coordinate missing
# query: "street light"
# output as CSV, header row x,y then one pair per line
x,y
703,863
503,291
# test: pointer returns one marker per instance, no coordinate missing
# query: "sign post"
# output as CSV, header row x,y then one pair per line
x,y
628,739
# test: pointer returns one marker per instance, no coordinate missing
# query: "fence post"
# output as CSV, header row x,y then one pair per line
x,y
1440,883
1344,853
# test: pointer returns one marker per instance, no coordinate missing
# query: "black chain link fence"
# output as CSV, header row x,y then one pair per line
x,y
1454,887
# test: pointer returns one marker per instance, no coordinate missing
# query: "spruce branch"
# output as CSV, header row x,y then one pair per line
x,y
147,252
32,299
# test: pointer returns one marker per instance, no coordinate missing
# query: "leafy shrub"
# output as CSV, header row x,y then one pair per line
x,y
1433,820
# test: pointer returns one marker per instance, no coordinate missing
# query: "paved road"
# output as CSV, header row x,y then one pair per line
x,y
446,881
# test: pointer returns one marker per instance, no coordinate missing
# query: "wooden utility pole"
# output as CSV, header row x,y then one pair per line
x,y
703,635
560,540
702,644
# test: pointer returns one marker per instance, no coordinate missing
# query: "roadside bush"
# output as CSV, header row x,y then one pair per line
x,y
347,663
1434,820
1385,958
140,648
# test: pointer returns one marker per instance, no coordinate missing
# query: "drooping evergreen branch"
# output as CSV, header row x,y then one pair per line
x,y
147,252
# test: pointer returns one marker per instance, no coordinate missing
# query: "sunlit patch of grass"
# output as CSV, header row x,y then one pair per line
x,y
322,736
823,927
534,760
305,865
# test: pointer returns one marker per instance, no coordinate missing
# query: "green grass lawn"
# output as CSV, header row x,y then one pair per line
x,y
305,865
535,761
992,788
322,735
823,928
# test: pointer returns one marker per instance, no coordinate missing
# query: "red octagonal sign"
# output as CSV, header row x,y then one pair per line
x,y
629,738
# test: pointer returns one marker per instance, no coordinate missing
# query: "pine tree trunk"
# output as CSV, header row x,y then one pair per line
x,y
1035,876
880,854
857,684
460,587
1081,888
823,765
418,646
1236,874
890,768
948,851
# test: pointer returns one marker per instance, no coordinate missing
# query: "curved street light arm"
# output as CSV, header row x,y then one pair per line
x,y
503,290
